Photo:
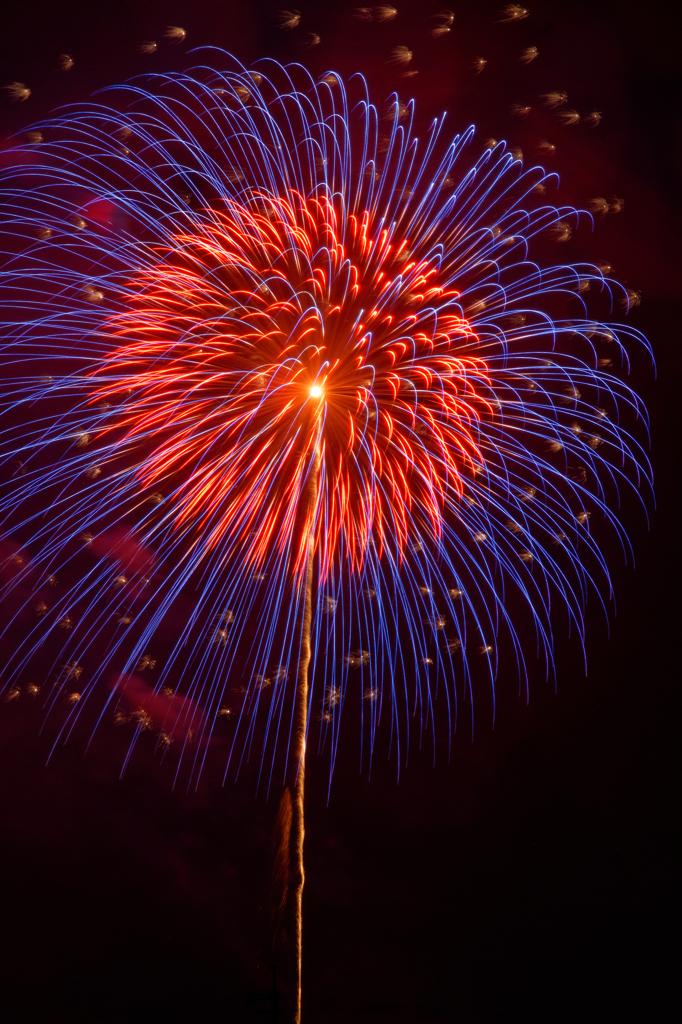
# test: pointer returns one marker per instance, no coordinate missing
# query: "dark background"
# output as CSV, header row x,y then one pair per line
x,y
530,877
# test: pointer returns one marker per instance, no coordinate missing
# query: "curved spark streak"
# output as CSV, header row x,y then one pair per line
x,y
250,280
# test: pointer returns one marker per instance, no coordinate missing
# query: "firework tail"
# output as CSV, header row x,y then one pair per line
x,y
297,805
288,869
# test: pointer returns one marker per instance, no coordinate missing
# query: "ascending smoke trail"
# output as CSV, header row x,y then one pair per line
x,y
214,281
293,796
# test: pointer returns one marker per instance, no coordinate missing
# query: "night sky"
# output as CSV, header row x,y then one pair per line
x,y
527,876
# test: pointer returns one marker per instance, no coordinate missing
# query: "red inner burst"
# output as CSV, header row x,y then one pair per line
x,y
268,335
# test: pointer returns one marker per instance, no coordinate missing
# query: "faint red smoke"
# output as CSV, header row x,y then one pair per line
x,y
176,715
120,545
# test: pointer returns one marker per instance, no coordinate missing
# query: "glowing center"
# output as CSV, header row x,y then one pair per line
x,y
315,391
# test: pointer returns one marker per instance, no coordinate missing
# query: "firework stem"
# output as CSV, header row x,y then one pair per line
x,y
293,796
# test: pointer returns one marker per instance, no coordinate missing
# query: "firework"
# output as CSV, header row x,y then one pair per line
x,y
312,373
258,276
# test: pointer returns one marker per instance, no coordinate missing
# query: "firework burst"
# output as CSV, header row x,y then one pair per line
x,y
253,341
